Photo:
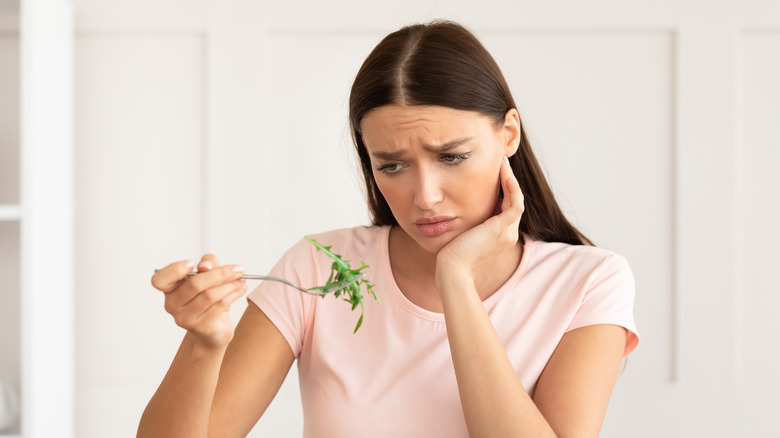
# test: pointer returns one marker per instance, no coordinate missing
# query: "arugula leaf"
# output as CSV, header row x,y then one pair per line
x,y
342,273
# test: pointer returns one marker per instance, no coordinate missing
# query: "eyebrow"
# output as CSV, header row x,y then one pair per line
x,y
390,156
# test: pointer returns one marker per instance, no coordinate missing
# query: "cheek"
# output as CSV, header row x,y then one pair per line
x,y
391,191
488,171
482,187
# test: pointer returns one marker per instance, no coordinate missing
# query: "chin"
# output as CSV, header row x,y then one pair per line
x,y
433,245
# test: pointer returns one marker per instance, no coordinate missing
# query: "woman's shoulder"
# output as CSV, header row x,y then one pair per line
x,y
353,240
358,234
353,244
583,256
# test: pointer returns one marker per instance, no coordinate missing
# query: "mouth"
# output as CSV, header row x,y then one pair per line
x,y
434,226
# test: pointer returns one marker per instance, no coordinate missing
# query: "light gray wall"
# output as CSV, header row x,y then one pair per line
x,y
656,124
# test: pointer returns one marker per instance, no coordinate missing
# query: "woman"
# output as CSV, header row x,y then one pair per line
x,y
498,317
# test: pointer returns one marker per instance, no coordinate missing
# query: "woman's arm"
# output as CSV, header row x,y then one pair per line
x,y
221,379
573,391
180,406
222,391
571,395
493,398
255,365
575,387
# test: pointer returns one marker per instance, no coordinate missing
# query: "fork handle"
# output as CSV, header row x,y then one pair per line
x,y
270,278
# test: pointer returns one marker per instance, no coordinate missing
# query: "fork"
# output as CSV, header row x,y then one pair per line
x,y
333,287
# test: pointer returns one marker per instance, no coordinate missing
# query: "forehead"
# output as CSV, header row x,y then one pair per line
x,y
425,122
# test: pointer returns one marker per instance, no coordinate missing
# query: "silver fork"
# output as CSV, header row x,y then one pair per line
x,y
333,287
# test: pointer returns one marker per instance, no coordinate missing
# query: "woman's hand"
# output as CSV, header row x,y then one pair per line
x,y
200,303
471,250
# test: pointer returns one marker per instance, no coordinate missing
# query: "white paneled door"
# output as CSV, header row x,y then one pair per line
x,y
221,126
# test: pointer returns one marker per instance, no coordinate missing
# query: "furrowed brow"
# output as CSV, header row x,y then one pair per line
x,y
392,156
387,156
448,146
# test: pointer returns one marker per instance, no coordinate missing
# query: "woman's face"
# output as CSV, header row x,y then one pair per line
x,y
438,167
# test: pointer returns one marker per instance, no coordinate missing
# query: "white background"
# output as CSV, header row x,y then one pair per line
x,y
221,126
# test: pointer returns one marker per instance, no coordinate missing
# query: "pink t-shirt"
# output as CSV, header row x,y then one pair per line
x,y
394,377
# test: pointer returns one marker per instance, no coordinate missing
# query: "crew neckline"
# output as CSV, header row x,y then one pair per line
x,y
528,248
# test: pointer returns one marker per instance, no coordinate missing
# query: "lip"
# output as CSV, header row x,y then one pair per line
x,y
433,220
435,225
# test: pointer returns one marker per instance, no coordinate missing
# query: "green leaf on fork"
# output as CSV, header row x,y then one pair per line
x,y
342,273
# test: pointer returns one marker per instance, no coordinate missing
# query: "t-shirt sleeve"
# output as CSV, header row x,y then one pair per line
x,y
289,309
609,299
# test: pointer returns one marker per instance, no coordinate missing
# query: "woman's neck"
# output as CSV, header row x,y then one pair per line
x,y
409,257
414,268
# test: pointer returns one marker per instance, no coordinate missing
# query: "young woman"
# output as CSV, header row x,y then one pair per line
x,y
498,317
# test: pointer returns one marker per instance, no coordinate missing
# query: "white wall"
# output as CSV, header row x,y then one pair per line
x,y
656,122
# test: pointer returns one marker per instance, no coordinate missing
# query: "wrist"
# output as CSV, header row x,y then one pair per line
x,y
203,351
453,279
452,265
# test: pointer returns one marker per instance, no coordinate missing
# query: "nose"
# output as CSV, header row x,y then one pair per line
x,y
428,191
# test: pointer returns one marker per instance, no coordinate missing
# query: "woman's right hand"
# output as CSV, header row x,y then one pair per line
x,y
200,303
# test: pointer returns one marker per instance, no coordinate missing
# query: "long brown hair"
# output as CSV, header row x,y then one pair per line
x,y
441,63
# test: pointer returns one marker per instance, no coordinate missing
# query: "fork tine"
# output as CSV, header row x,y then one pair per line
x,y
342,285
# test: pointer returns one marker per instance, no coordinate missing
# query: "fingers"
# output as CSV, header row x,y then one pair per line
x,y
208,262
209,304
217,308
202,282
198,303
171,276
505,225
512,205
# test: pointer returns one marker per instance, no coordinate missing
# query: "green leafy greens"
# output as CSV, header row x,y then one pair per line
x,y
342,273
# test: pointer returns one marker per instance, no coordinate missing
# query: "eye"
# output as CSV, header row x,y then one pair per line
x,y
390,169
454,159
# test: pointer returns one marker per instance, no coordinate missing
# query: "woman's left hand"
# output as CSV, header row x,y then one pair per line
x,y
477,246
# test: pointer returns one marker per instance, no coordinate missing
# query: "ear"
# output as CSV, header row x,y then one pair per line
x,y
512,132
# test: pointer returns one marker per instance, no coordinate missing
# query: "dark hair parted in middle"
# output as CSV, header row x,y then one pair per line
x,y
443,64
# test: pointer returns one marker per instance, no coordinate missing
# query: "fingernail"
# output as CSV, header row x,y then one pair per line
x,y
189,264
506,159
206,265
238,268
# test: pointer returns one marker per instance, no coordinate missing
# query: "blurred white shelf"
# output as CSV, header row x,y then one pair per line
x,y
10,213
44,181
